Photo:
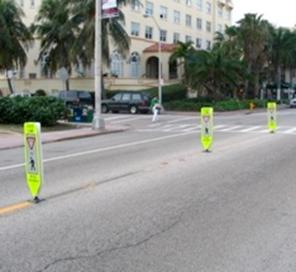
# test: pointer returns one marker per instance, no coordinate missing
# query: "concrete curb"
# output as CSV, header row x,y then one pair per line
x,y
52,137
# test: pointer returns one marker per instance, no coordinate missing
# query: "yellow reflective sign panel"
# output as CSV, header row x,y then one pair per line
x,y
207,124
271,114
33,157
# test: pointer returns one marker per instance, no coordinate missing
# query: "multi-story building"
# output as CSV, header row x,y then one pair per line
x,y
147,23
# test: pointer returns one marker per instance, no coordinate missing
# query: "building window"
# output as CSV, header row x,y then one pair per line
x,y
228,14
163,13
209,26
135,29
149,8
177,17
199,23
220,11
209,8
198,43
209,45
32,3
199,4
116,66
148,32
220,28
189,3
188,38
163,35
176,37
32,75
188,20
135,65
136,6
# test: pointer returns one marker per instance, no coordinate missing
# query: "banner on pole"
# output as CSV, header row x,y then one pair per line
x,y
109,9
207,125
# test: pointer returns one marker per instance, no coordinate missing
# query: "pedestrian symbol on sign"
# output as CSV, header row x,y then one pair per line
x,y
31,142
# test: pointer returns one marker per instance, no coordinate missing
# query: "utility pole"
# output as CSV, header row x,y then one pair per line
x,y
98,121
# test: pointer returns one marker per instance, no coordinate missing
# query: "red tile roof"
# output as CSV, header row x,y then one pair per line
x,y
165,47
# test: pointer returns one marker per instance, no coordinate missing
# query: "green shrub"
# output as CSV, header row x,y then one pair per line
x,y
225,105
18,110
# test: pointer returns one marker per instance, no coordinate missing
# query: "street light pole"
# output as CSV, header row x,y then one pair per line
x,y
159,58
98,121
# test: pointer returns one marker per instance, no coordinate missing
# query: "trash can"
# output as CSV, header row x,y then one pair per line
x,y
77,114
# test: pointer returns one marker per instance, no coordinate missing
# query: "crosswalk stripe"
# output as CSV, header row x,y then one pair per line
x,y
250,129
192,128
219,126
230,129
182,119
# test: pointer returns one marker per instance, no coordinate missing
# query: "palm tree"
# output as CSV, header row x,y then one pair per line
x,y
282,52
182,53
14,38
253,36
57,32
214,71
112,31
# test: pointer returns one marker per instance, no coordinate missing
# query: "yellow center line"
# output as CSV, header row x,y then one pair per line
x,y
15,207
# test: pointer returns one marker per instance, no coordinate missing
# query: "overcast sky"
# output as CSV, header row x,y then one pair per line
x,y
279,13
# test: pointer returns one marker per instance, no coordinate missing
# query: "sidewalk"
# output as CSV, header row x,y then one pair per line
x,y
10,140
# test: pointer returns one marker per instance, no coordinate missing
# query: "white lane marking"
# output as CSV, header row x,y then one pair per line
x,y
102,149
290,131
230,129
116,117
126,120
250,129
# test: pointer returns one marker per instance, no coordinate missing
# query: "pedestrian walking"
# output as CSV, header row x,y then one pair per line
x,y
155,107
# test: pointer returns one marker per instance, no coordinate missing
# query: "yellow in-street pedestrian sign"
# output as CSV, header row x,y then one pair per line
x,y
271,114
33,158
207,124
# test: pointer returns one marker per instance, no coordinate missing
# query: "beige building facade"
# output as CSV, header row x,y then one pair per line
x,y
147,23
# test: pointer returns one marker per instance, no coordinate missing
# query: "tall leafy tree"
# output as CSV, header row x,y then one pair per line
x,y
57,32
14,38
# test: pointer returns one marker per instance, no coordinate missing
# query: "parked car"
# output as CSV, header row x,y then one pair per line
x,y
128,101
76,97
293,103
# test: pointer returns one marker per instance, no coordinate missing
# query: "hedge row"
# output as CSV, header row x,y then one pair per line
x,y
226,105
18,110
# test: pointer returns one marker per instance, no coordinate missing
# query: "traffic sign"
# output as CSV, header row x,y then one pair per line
x,y
207,124
33,158
271,114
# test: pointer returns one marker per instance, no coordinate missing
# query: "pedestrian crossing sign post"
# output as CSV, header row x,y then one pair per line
x,y
207,124
33,158
272,120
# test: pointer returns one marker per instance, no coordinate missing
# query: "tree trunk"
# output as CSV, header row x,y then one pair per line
x,y
67,85
10,85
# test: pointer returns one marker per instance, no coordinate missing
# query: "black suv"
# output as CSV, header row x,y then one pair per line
x,y
76,97
129,101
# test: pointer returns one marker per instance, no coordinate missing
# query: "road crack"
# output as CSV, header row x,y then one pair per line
x,y
113,249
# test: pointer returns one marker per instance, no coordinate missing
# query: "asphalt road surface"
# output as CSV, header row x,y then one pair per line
x,y
150,200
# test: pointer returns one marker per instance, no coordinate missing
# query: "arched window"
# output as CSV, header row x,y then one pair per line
x,y
116,66
135,65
